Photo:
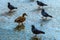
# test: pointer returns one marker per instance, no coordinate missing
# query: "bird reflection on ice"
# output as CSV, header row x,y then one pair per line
x,y
19,27
43,21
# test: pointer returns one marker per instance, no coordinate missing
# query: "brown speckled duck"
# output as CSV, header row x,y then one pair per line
x,y
21,19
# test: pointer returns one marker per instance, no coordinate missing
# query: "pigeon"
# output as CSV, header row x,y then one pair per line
x,y
44,14
40,3
21,19
11,7
36,31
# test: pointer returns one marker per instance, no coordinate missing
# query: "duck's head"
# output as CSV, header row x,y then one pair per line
x,y
24,14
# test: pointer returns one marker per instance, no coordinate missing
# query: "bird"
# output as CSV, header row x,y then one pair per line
x,y
11,7
45,14
36,31
21,19
39,3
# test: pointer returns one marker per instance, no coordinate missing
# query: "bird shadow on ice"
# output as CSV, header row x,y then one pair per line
x,y
8,13
28,1
35,38
36,10
19,27
32,0
44,21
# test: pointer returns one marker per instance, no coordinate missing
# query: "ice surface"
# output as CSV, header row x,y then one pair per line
x,y
50,27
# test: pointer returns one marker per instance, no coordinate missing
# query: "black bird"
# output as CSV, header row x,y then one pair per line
x,y
11,7
36,31
44,14
41,3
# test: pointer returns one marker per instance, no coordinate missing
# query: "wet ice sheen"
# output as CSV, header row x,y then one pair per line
x,y
51,27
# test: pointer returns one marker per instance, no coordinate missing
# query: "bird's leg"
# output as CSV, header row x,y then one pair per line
x,y
10,11
35,35
18,23
42,17
21,23
42,7
38,7
46,18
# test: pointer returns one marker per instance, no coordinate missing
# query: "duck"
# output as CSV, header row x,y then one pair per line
x,y
11,7
36,31
21,19
45,14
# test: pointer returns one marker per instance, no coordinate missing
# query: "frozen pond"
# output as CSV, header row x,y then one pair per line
x,y
51,27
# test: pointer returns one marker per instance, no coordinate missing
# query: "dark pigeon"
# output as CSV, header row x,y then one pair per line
x,y
11,7
36,31
41,4
45,14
